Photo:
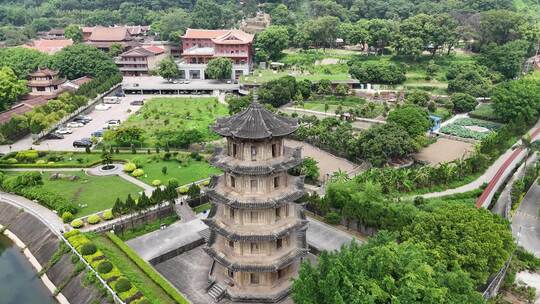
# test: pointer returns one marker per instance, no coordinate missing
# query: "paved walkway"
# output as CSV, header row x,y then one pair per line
x,y
325,237
183,210
154,244
47,216
500,207
525,222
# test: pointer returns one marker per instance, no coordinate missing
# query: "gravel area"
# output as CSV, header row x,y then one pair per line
x,y
444,150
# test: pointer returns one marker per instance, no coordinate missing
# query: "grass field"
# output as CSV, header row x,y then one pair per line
x,y
350,104
261,76
90,193
151,291
147,228
174,114
186,172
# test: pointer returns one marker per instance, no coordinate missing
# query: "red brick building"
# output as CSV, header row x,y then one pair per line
x,y
200,46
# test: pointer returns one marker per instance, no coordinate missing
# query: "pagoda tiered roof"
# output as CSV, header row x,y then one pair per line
x,y
292,157
218,193
255,122
261,266
255,235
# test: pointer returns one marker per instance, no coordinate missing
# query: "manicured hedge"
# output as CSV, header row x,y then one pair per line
x,y
152,274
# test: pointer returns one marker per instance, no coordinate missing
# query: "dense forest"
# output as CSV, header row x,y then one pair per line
x,y
169,18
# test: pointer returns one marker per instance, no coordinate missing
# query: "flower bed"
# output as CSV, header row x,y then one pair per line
x,y
465,127
78,241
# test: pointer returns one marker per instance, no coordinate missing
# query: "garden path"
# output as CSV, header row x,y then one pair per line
x,y
48,217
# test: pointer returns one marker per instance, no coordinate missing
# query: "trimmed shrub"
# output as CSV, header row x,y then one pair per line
x,y
94,219
122,285
88,249
41,162
105,267
28,156
183,190
71,233
137,173
130,167
108,215
173,182
12,161
67,217
78,223
206,183
332,218
156,183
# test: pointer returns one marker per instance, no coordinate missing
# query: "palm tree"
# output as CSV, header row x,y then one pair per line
x,y
528,145
339,176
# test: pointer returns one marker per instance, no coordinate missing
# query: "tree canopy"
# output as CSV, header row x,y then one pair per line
x,y
83,60
219,68
382,271
168,69
414,119
273,40
11,88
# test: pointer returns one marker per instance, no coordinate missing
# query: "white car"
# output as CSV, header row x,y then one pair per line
x,y
74,124
102,107
64,131
111,99
112,124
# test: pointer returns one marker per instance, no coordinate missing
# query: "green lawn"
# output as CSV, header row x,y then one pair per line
x,y
348,104
96,192
173,114
202,208
133,273
147,228
186,172
261,76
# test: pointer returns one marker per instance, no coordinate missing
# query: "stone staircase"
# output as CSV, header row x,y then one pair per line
x,y
217,292
205,234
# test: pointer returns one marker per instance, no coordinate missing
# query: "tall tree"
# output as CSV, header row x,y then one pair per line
x,y
74,33
168,69
219,68
414,119
11,88
207,14
83,60
323,31
273,40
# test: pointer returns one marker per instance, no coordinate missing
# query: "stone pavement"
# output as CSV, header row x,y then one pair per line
x,y
325,237
157,243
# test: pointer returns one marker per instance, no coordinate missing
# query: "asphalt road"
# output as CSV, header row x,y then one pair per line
x,y
525,222
117,111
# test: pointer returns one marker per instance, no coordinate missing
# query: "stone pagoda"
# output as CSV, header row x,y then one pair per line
x,y
258,233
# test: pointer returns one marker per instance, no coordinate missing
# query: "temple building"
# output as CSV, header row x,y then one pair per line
x,y
200,46
258,232
45,82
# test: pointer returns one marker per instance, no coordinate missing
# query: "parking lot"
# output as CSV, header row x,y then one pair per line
x,y
99,119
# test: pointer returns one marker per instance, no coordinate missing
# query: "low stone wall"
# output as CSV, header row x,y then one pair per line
x,y
42,244
135,220
176,252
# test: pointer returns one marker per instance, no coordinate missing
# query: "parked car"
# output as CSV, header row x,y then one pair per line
x,y
74,124
98,133
112,124
82,143
64,131
120,94
102,107
111,100
138,102
81,120
186,81
54,135
85,117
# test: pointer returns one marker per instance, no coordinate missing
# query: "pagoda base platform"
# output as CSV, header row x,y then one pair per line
x,y
274,293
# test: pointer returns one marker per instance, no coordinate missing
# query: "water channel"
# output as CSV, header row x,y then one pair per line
x,y
18,280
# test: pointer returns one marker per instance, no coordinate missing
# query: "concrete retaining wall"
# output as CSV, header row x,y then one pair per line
x,y
42,244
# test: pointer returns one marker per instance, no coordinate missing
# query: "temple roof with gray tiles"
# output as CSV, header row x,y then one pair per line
x,y
255,122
